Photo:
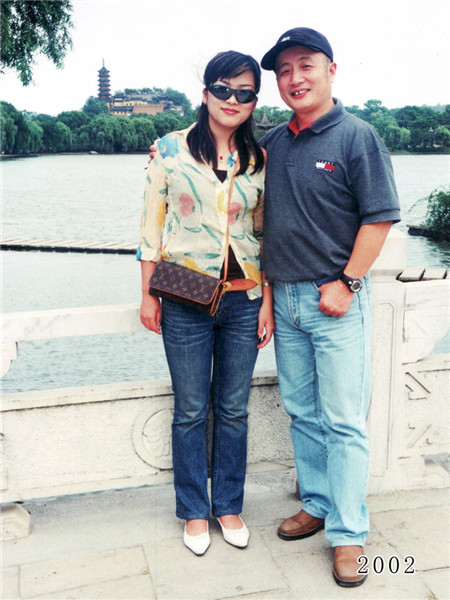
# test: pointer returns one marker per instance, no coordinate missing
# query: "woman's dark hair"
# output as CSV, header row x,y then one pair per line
x,y
200,139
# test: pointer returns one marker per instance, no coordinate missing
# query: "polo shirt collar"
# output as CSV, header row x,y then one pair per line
x,y
332,117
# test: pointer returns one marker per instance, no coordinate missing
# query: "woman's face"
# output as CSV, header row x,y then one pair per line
x,y
229,114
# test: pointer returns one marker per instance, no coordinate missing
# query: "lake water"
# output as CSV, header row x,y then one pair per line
x,y
96,197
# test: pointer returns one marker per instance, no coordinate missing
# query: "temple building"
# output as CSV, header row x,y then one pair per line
x,y
137,102
265,124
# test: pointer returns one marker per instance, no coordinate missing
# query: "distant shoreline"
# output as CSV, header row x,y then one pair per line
x,y
85,153
144,152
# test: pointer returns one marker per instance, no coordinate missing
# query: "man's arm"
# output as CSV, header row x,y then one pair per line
x,y
336,297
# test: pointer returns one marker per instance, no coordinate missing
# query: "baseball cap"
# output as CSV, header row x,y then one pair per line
x,y
299,36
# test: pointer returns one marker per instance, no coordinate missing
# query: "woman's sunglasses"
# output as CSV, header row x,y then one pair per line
x,y
222,92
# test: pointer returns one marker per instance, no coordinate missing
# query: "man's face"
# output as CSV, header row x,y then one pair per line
x,y
304,79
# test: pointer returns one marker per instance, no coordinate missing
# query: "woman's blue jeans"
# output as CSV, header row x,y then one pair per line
x,y
323,369
200,347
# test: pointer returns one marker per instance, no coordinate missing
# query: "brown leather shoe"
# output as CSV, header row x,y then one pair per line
x,y
300,526
345,568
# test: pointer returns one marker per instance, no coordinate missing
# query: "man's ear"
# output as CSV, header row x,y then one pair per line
x,y
332,67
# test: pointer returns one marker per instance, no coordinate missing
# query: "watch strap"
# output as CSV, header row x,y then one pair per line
x,y
353,283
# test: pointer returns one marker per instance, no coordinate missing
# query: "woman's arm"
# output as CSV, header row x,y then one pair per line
x,y
266,321
150,312
152,226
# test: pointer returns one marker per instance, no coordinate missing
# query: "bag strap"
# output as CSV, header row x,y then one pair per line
x,y
227,237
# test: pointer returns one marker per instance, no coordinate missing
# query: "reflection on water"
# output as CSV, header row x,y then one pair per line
x,y
99,198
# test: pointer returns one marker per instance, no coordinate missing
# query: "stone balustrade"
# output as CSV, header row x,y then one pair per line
x,y
86,439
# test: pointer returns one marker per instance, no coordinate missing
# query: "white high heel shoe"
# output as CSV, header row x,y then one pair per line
x,y
236,537
198,544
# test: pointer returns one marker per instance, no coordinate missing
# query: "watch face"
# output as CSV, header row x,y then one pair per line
x,y
356,286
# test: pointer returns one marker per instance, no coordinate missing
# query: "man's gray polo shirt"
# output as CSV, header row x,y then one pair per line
x,y
321,186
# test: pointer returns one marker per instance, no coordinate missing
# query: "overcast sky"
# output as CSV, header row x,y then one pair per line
x,y
396,51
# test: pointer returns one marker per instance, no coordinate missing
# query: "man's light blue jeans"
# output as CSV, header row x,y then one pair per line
x,y
323,369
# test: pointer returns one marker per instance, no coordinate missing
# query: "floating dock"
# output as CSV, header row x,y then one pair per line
x,y
86,246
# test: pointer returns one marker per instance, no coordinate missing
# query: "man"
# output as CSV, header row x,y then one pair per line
x,y
330,202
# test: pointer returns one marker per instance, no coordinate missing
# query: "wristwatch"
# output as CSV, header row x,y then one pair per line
x,y
353,284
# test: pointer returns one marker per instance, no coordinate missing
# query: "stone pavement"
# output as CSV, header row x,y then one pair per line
x,y
128,544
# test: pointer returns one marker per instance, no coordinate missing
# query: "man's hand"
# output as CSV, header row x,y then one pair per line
x,y
153,149
336,299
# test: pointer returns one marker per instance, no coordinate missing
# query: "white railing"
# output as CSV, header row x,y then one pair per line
x,y
92,438
65,322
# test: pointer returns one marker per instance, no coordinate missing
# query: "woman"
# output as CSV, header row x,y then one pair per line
x,y
186,209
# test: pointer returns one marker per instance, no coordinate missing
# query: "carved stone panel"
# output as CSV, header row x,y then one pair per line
x,y
152,434
426,427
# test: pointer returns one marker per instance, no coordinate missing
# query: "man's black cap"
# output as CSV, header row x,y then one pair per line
x,y
299,36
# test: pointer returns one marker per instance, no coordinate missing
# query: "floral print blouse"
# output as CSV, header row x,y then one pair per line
x,y
185,212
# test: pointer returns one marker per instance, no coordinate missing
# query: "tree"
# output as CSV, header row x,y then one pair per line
x,y
379,117
438,212
20,135
32,27
113,134
145,132
354,110
57,137
95,106
444,117
442,136
9,127
274,114
166,122
74,119
406,138
179,99
393,137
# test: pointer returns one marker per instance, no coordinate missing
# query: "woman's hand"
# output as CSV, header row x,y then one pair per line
x,y
151,313
266,321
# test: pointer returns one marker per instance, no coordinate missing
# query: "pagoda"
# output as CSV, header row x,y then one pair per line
x,y
104,87
265,124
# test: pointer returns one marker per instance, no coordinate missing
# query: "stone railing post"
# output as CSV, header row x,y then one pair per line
x,y
408,387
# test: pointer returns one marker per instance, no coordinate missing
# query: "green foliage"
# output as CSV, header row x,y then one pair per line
x,y
95,106
19,134
178,98
438,212
74,119
165,122
382,120
273,114
9,116
56,136
31,27
442,136
413,129
145,132
425,127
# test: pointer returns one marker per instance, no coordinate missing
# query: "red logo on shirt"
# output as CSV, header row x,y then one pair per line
x,y
325,165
